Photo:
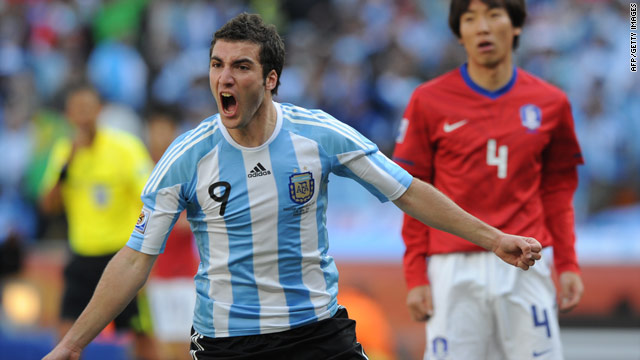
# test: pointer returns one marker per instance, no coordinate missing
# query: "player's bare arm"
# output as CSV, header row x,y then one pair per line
x,y
122,279
427,204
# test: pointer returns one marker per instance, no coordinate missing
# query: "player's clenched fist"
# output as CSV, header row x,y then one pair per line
x,y
518,250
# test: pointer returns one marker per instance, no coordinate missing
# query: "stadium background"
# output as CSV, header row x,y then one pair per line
x,y
358,60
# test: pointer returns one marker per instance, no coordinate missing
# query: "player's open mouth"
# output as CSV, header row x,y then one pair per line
x,y
485,46
229,104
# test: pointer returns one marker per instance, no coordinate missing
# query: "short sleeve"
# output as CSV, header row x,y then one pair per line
x,y
354,156
377,173
160,211
166,194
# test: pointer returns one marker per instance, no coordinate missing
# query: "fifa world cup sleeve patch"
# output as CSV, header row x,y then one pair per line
x,y
143,219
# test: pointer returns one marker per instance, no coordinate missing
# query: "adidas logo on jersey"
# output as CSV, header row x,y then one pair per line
x,y
258,170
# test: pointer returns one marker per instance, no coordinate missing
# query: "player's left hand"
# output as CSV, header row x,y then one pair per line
x,y
571,289
518,251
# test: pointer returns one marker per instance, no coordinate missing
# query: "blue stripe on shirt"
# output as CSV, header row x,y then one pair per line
x,y
243,314
289,245
326,263
203,315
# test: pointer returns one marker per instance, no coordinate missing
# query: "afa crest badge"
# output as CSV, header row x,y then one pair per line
x,y
531,116
301,187
143,219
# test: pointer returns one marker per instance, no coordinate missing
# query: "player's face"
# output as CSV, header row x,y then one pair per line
x,y
235,77
487,34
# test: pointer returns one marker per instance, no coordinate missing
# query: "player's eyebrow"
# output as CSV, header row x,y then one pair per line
x,y
235,62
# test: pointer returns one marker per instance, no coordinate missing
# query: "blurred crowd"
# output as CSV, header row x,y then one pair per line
x,y
358,60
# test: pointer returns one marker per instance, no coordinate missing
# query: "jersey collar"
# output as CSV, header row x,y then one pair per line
x,y
275,133
490,94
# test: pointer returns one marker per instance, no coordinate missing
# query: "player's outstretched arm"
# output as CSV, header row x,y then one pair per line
x,y
121,280
424,202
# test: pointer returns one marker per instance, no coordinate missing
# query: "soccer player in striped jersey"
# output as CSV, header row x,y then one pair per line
x,y
253,180
500,143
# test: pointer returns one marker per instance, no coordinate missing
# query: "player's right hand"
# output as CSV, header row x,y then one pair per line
x,y
419,303
518,251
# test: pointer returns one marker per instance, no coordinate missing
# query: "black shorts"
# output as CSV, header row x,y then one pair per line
x,y
81,276
329,339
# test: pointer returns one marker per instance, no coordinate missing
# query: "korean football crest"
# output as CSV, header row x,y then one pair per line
x,y
301,187
531,116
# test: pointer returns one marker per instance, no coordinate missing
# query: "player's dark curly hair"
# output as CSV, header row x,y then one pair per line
x,y
250,27
516,9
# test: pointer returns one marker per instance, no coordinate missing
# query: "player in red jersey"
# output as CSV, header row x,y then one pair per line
x,y
500,143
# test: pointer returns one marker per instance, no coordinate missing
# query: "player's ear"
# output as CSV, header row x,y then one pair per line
x,y
271,80
517,31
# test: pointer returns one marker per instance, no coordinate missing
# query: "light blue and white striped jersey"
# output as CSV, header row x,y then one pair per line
x,y
258,215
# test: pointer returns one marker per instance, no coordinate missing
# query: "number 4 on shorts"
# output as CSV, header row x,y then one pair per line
x,y
545,319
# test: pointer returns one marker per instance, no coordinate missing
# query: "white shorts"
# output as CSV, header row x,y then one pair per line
x,y
172,302
484,308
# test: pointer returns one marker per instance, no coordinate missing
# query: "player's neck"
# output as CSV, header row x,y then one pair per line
x,y
259,129
491,78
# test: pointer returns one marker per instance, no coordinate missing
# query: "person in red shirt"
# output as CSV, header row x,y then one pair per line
x,y
501,143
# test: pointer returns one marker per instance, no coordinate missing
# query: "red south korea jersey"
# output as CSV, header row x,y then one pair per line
x,y
508,157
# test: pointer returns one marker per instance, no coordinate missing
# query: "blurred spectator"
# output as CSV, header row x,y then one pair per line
x,y
118,71
604,129
118,19
17,215
121,117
